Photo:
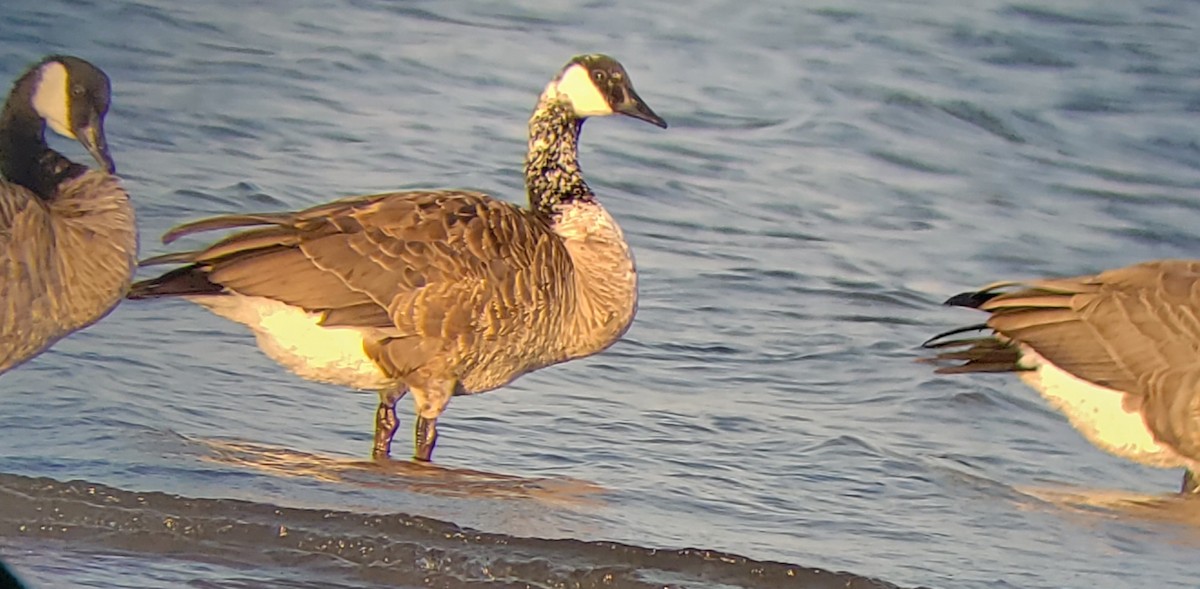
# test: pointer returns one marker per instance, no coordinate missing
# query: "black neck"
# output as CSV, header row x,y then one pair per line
x,y
25,159
552,175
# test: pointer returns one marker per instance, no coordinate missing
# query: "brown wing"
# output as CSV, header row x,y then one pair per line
x,y
1134,329
414,263
1120,328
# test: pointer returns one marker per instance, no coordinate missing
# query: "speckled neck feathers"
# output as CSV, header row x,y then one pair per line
x,y
552,176
604,280
25,158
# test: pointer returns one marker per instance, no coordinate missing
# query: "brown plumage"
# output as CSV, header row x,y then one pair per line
x,y
439,292
425,272
1132,333
68,244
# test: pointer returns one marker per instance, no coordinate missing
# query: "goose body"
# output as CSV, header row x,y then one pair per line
x,y
460,274
440,292
1115,352
68,244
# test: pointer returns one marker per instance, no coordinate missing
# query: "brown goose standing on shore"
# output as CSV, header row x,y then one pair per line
x,y
68,244
437,293
1116,352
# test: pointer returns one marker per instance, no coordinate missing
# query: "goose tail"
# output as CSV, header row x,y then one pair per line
x,y
185,281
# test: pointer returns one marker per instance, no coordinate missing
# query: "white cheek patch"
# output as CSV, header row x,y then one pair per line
x,y
576,84
51,100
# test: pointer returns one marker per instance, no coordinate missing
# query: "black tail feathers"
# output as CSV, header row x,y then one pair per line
x,y
974,299
188,280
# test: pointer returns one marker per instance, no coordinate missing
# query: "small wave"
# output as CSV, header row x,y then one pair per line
x,y
1179,510
394,549
431,479
1042,14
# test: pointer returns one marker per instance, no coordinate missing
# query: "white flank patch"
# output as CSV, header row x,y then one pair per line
x,y
51,99
1098,413
576,84
292,337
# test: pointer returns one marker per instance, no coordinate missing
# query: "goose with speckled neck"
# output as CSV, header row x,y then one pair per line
x,y
435,293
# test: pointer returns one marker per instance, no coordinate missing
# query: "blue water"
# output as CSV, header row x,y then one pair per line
x,y
832,172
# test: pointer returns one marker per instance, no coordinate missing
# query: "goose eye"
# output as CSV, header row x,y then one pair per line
x,y
599,75
77,91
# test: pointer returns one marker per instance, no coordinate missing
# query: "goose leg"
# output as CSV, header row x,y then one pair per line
x,y
1191,484
426,439
386,422
431,400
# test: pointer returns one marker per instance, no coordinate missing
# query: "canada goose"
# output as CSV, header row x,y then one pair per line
x,y
1115,352
437,293
68,245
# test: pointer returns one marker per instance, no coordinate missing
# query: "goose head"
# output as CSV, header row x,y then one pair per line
x,y
596,85
72,96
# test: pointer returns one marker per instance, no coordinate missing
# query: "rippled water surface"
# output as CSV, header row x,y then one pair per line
x,y
832,172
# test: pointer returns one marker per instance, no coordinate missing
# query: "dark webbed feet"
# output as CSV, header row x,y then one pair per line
x,y
1191,484
386,424
385,427
426,439
430,396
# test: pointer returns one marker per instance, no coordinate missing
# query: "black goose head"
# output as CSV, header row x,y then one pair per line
x,y
597,85
72,96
